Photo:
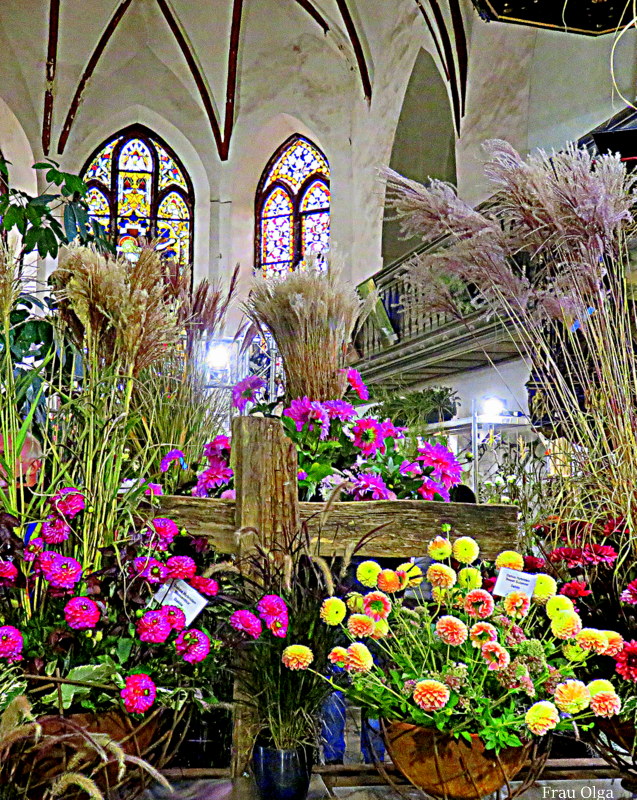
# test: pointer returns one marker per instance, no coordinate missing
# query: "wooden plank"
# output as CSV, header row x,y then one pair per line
x,y
409,524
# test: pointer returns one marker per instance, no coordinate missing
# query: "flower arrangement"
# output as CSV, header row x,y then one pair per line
x,y
467,662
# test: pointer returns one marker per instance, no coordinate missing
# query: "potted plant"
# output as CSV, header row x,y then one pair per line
x,y
417,409
464,682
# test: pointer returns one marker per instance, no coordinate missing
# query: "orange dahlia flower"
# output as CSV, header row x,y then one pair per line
x,y
479,603
495,655
592,639
359,659
388,581
614,643
338,656
517,604
566,624
606,704
572,697
442,576
481,633
360,625
452,630
431,695
297,656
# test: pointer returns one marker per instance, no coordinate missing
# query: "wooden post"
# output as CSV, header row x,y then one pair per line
x,y
265,466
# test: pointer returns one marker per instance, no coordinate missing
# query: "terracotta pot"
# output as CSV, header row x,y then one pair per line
x,y
451,768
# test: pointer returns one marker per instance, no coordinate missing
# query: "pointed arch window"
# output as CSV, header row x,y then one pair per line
x,y
292,209
138,190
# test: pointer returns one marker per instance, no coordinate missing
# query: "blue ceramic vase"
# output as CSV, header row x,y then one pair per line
x,y
282,774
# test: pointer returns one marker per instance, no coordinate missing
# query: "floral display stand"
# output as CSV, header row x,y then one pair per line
x,y
265,466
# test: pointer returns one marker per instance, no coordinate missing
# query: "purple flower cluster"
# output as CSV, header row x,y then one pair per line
x,y
218,472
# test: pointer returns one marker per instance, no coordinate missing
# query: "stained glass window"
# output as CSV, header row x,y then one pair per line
x,y
138,191
292,207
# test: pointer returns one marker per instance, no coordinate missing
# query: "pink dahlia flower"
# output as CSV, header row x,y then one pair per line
x,y
368,486
446,467
217,474
11,643
81,613
245,392
217,448
228,494
175,617
62,572
410,468
151,569
8,573
154,627
138,694
152,489
247,622
169,459
357,384
181,567
166,530
193,645
68,502
599,554
429,489
55,529
339,409
629,595
390,431
274,613
368,436
33,548
304,411
207,586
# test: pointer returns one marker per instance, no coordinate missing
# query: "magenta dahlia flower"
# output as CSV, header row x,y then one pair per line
x,y
207,586
446,467
139,693
181,567
55,529
247,622
45,560
68,502
193,645
152,489
357,384
304,411
217,473
574,589
33,548
625,661
218,447
410,469
369,486
166,530
629,595
11,643
175,617
8,573
151,569
339,409
599,554
169,459
245,392
429,489
62,572
228,494
274,612
368,436
154,627
570,556
82,613
390,431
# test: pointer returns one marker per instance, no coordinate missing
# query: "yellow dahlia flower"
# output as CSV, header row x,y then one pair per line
x,y
509,559
297,656
431,695
517,604
439,548
557,604
592,639
469,578
367,573
545,588
542,717
614,643
600,685
465,550
413,573
359,659
566,624
574,652
333,611
381,629
338,656
441,575
572,697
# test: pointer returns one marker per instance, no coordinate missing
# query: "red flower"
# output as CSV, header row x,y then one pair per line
x,y
488,584
8,573
533,564
68,502
615,525
574,589
571,556
181,567
599,554
138,694
154,627
55,530
63,572
175,617
626,661
82,613
207,586
193,645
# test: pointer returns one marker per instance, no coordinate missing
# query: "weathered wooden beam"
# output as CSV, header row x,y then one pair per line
x,y
408,525
51,67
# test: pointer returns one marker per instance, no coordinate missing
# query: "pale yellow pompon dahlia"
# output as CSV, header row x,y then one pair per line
x,y
381,629
566,624
509,559
545,588
355,602
442,576
592,639
333,611
542,717
465,550
431,695
614,643
359,659
360,625
297,656
439,548
469,578
557,604
367,573
413,573
572,697
600,685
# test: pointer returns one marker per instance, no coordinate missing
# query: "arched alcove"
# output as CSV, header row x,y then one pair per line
x,y
424,144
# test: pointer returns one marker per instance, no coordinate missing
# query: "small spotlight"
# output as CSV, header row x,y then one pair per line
x,y
218,356
493,408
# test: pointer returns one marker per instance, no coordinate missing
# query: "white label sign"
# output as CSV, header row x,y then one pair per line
x,y
510,580
181,594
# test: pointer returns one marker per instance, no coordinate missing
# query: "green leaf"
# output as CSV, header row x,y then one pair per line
x,y
70,222
124,647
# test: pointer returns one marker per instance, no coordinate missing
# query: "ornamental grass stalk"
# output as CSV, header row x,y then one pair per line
x,y
313,314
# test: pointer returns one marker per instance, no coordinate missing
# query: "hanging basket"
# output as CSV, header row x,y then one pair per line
x,y
615,742
453,769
